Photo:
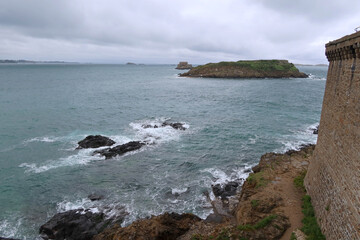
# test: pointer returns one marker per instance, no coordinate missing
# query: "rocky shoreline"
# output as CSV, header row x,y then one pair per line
x,y
267,207
246,69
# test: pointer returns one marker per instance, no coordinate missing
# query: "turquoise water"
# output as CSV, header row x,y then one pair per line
x,y
46,109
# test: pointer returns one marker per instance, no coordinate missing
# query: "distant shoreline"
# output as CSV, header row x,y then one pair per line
x,y
6,61
312,65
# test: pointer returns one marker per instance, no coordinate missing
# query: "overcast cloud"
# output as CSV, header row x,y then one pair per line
x,y
159,31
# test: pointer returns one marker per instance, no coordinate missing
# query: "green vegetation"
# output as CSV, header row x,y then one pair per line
x,y
254,203
257,179
224,235
261,224
299,181
292,237
311,227
327,208
196,237
259,65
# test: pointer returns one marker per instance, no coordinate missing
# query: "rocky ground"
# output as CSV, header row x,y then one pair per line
x,y
267,207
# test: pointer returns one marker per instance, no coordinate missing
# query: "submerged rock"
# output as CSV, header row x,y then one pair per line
x,y
74,225
120,150
176,125
1,238
316,130
95,141
95,197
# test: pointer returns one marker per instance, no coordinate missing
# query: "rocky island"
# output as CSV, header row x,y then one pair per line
x,y
247,69
183,66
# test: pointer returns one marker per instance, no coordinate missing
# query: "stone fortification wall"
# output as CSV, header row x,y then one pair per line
x,y
333,178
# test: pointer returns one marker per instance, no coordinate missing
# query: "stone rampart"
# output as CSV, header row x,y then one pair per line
x,y
333,178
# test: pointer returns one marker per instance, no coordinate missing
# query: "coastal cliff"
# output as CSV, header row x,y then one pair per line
x,y
247,69
268,207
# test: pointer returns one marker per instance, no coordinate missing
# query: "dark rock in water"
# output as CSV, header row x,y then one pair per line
x,y
178,126
316,130
217,190
95,141
150,126
228,190
120,150
95,197
1,238
231,187
74,225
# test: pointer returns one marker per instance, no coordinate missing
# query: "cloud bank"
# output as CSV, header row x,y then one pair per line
x,y
159,31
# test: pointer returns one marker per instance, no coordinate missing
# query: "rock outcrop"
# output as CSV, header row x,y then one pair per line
x,y
247,69
95,141
183,66
268,207
74,225
120,150
167,226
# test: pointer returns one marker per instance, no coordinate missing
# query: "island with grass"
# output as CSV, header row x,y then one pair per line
x,y
246,69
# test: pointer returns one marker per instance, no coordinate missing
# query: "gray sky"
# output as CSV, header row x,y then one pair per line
x,y
160,31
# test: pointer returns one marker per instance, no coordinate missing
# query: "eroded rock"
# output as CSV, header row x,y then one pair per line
x,y
120,150
74,225
95,141
167,226
229,189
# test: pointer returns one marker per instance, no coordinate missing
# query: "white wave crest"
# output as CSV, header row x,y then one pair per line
x,y
314,77
175,191
111,210
10,230
298,139
220,177
147,131
82,157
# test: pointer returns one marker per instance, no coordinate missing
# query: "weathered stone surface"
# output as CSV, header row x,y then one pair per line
x,y
120,150
333,178
95,141
74,225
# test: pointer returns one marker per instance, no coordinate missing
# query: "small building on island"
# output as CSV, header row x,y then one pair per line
x,y
183,65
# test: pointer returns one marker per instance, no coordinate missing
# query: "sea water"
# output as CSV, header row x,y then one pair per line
x,y
45,109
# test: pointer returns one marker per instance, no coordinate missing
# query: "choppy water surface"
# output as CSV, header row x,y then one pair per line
x,y
46,109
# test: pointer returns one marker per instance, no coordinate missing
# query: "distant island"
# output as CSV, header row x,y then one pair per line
x,y
29,61
247,69
183,66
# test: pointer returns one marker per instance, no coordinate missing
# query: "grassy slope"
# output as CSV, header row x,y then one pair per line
x,y
259,65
